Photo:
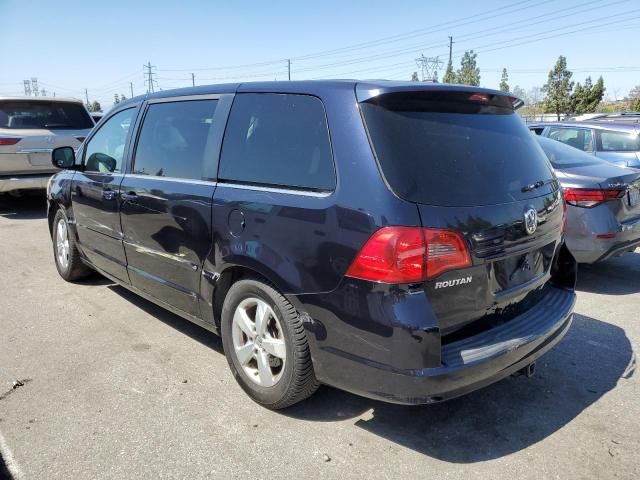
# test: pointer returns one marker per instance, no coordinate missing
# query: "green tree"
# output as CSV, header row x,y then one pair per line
x,y
449,74
94,106
414,77
469,73
558,89
634,93
504,81
635,104
519,92
586,98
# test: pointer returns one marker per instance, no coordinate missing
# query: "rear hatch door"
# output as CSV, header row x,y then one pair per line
x,y
470,164
40,126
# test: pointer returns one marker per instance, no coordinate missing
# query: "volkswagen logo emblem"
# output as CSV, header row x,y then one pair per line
x,y
530,221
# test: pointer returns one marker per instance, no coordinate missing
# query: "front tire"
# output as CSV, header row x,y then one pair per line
x,y
266,345
65,251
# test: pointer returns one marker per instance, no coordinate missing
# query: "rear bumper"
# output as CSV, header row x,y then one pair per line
x,y
465,365
24,182
591,249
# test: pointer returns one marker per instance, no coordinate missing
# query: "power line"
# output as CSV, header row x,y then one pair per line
x,y
466,20
471,36
506,44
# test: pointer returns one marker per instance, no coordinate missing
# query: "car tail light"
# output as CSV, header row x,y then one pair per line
x,y
9,140
589,197
80,139
409,255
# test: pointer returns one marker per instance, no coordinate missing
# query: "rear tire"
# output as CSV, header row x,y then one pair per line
x,y
266,345
65,250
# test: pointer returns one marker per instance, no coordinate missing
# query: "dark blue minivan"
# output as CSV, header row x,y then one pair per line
x,y
402,241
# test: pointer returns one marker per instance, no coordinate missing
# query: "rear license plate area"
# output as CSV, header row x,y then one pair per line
x,y
516,270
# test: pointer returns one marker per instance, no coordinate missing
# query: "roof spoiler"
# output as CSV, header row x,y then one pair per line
x,y
367,91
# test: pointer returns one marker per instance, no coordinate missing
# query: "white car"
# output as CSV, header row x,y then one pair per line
x,y
30,128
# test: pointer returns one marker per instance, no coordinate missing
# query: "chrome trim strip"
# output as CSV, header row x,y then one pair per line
x,y
35,150
287,191
181,98
171,179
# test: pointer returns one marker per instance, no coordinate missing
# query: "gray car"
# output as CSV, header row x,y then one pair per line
x,y
603,203
616,142
30,128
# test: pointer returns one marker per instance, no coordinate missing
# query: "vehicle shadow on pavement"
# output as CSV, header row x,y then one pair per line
x,y
616,276
28,207
185,327
4,470
503,418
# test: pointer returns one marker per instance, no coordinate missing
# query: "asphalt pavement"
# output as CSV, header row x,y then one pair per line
x,y
98,383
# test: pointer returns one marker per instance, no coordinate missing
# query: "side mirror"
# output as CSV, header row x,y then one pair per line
x,y
63,157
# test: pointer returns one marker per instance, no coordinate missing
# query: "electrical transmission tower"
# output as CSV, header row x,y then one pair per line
x,y
429,67
149,81
34,86
27,88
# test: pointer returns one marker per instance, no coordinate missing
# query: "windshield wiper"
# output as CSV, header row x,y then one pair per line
x,y
532,186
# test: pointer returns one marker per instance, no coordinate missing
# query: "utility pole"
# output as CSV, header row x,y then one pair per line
x,y
86,95
289,67
450,47
150,80
193,80
131,85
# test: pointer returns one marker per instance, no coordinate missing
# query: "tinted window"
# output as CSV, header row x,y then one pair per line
x,y
561,155
618,141
441,149
278,140
174,139
580,138
105,150
43,114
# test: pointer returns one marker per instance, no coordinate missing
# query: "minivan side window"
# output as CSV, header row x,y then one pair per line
x,y
279,140
580,138
105,150
175,140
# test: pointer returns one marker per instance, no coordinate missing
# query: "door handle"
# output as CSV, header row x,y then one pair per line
x,y
131,197
108,194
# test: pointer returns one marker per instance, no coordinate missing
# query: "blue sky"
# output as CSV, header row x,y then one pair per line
x,y
102,45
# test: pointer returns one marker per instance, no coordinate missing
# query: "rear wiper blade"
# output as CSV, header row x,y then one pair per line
x,y
533,186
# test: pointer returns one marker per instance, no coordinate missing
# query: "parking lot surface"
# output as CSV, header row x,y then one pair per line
x,y
111,386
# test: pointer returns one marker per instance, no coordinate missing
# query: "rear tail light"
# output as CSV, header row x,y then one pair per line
x,y
409,255
9,140
588,197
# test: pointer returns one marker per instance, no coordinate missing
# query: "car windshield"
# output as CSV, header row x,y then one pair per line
x,y
563,156
21,114
455,149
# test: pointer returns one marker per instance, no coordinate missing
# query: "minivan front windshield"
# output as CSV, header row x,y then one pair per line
x,y
456,149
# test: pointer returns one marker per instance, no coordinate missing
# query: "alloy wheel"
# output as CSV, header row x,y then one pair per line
x,y
258,341
62,244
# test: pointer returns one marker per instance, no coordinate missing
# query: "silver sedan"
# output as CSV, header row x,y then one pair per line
x,y
603,203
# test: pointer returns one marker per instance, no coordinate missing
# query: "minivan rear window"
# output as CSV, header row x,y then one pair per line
x,y
455,148
25,114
